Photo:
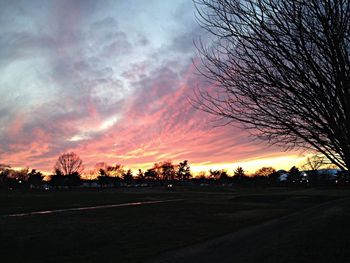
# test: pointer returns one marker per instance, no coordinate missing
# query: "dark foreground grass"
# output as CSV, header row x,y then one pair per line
x,y
137,233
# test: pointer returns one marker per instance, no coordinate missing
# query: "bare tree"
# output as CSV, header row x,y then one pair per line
x,y
314,162
265,171
69,164
282,70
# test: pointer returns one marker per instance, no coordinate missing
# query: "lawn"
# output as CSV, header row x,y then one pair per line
x,y
137,233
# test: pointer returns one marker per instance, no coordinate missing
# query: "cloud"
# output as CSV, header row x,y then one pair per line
x,y
107,22
84,77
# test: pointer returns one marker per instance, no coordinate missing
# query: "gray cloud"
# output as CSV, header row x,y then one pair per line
x,y
77,75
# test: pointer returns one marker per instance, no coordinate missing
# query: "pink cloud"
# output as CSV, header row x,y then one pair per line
x,y
156,123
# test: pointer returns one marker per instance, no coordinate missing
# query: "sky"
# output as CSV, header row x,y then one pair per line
x,y
112,81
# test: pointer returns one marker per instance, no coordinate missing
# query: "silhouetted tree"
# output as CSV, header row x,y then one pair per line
x,y
183,171
214,174
167,171
72,180
69,163
151,174
110,176
202,175
140,175
103,178
200,178
164,170
100,169
274,178
102,172
57,179
4,173
127,177
264,171
35,179
116,171
314,162
293,175
4,167
218,175
281,69
17,178
157,168
223,177
239,172
239,175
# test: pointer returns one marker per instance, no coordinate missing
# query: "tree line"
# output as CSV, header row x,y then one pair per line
x,y
69,168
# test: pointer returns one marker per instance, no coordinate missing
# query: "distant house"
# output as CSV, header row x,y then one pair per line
x,y
282,175
325,175
330,172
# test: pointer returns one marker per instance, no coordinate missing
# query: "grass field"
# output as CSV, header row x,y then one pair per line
x,y
139,233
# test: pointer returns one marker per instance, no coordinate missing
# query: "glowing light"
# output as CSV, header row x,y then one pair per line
x,y
250,166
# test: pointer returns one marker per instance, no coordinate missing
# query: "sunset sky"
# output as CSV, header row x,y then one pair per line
x,y
111,81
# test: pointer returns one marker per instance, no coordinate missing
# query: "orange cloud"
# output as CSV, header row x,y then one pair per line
x,y
156,123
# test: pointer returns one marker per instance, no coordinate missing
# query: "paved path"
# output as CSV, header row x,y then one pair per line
x,y
44,212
